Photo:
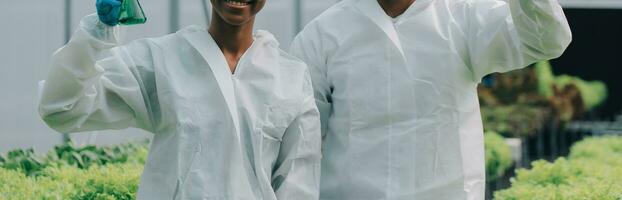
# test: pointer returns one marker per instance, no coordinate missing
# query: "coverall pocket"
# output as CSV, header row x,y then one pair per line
x,y
278,117
271,132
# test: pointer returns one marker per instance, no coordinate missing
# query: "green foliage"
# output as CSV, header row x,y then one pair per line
x,y
513,120
84,157
563,97
546,79
498,155
69,172
593,93
23,160
115,181
70,155
606,150
593,172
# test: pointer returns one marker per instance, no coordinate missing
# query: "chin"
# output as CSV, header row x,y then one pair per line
x,y
236,20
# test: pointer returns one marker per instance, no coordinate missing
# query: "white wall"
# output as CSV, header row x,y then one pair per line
x,y
33,29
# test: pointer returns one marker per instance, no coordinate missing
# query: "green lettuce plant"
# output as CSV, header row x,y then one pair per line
x,y
593,171
69,154
498,155
69,172
115,181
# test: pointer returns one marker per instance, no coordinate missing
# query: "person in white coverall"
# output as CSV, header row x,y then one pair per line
x,y
233,116
395,82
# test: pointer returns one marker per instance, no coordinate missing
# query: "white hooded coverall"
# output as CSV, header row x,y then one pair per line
x,y
398,99
217,136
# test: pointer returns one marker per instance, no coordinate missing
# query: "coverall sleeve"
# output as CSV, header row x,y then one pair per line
x,y
308,47
297,169
505,35
96,84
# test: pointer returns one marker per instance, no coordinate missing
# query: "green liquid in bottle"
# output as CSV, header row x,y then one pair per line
x,y
131,13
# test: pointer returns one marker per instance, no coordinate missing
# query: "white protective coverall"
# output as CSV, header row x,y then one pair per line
x,y
252,135
398,98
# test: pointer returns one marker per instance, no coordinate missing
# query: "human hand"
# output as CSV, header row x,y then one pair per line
x,y
109,11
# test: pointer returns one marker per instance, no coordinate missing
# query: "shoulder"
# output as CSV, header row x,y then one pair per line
x,y
288,67
291,73
334,12
149,45
333,20
323,33
293,70
271,48
169,40
291,62
294,77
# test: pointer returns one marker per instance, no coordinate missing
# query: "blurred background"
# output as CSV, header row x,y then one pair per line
x,y
538,113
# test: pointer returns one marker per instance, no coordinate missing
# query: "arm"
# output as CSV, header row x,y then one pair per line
x,y
505,35
308,47
297,170
95,84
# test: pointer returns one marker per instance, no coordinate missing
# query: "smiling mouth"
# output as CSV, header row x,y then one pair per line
x,y
237,2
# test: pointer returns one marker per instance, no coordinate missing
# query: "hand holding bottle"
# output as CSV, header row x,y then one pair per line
x,y
109,11
125,12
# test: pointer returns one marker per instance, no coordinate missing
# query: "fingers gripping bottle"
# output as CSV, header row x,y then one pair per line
x,y
131,13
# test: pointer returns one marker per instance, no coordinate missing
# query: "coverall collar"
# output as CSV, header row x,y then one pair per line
x,y
207,47
376,14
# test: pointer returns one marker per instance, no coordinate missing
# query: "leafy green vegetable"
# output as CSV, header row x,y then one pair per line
x,y
593,93
115,181
514,120
606,150
498,155
70,155
546,79
593,171
23,160
69,172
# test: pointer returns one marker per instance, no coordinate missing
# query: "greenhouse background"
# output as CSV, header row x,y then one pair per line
x,y
526,118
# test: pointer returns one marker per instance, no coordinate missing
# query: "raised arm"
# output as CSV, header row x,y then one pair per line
x,y
95,84
504,35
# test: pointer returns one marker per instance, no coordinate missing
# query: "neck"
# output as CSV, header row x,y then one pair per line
x,y
231,39
395,8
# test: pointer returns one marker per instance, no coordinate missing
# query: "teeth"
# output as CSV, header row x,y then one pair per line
x,y
236,3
